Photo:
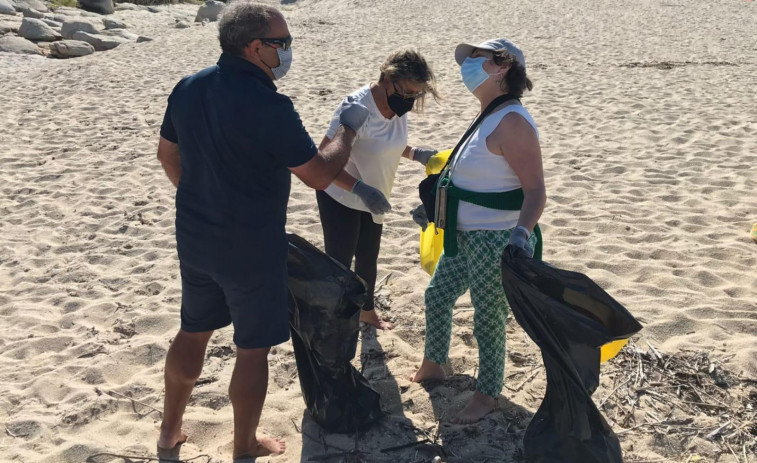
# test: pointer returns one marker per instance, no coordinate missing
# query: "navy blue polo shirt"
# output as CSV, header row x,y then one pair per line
x,y
237,138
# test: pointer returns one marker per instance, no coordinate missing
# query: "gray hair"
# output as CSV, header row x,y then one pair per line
x,y
241,22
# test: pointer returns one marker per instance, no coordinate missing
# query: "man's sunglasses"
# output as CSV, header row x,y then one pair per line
x,y
285,43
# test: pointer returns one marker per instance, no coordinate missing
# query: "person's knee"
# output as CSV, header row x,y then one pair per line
x,y
253,356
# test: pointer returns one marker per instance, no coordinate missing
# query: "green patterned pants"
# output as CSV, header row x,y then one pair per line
x,y
476,266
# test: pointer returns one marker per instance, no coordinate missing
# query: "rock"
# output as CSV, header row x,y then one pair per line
x,y
54,24
124,34
143,39
37,31
7,8
100,42
22,5
98,6
111,23
153,9
128,6
7,27
71,49
74,25
210,10
18,45
32,13
182,25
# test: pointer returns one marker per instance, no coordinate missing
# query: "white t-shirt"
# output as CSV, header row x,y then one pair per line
x,y
375,155
475,168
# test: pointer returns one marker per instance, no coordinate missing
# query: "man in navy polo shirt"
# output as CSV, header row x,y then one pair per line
x,y
228,143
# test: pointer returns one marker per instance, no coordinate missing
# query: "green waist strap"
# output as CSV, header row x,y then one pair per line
x,y
507,201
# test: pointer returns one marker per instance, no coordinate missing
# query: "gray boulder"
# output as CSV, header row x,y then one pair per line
x,y
20,45
111,23
22,5
100,42
71,26
123,33
210,10
37,31
54,24
32,13
7,8
70,49
98,6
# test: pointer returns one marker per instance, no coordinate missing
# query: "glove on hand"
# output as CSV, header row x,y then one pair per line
x,y
373,199
420,217
519,239
352,114
422,155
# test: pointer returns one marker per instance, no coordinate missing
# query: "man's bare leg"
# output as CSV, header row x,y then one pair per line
x,y
183,366
249,384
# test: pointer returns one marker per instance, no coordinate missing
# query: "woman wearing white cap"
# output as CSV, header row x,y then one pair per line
x,y
500,160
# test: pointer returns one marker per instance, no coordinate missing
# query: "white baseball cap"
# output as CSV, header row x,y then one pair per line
x,y
464,50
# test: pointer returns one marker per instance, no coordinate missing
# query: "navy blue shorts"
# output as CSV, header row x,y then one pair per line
x,y
255,302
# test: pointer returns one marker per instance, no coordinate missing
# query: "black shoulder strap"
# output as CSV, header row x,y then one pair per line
x,y
491,107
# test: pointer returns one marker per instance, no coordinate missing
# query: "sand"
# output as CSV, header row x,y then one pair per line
x,y
647,120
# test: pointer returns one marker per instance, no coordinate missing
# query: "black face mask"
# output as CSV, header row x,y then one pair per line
x,y
399,105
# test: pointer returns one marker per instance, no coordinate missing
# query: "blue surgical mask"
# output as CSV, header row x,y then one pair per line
x,y
473,72
285,62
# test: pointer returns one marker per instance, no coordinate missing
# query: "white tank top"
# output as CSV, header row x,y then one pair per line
x,y
475,168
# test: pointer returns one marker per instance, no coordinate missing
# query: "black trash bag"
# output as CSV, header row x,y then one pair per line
x,y
569,317
325,303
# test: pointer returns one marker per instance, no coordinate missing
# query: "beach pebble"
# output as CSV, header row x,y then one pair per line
x,y
18,45
210,10
70,27
182,25
37,31
71,49
143,39
6,8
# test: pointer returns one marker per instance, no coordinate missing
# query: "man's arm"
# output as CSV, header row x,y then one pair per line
x,y
168,155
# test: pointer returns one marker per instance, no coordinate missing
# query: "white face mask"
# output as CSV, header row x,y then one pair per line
x,y
285,62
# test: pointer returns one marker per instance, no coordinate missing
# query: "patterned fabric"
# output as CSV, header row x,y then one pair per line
x,y
475,267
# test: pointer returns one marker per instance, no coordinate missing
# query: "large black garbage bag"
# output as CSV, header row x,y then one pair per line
x,y
324,312
569,317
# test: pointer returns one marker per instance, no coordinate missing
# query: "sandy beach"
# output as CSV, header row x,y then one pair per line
x,y
648,126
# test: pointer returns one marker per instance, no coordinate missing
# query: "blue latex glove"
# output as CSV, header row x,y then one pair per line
x,y
519,239
373,199
352,114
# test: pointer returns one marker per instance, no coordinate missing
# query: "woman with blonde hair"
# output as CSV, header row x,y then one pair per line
x,y
352,208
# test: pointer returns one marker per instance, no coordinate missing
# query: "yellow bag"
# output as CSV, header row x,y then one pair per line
x,y
432,240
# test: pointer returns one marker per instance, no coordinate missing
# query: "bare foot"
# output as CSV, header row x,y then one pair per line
x,y
371,317
263,446
428,370
479,406
169,445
